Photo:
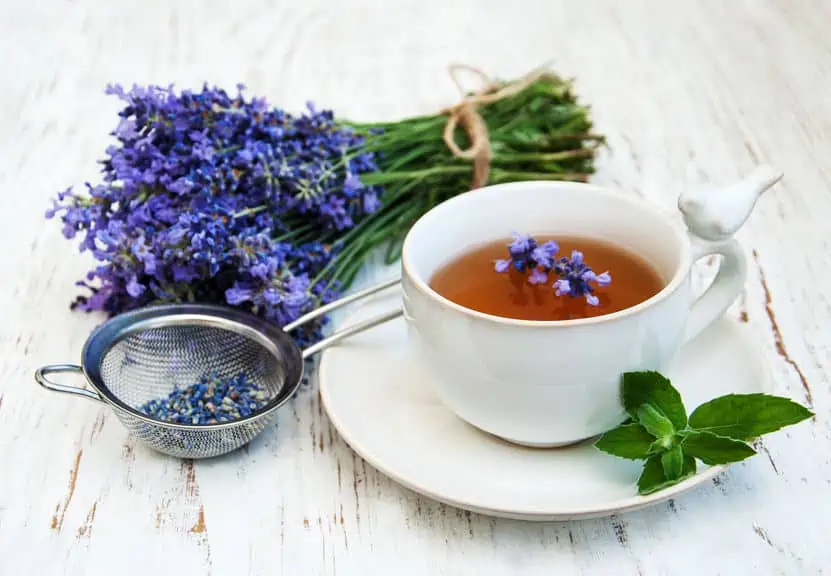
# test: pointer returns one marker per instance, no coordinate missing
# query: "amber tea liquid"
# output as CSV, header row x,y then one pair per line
x,y
470,281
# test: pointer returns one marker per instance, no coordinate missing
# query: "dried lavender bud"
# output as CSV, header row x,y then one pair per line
x,y
213,399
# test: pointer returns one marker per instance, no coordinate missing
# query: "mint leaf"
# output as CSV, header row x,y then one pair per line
x,y
662,444
689,466
652,475
712,449
630,441
655,423
652,478
653,388
670,442
747,416
672,461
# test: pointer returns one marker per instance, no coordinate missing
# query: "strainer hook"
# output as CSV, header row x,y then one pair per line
x,y
43,372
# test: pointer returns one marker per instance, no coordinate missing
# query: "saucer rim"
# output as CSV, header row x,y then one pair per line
x,y
517,513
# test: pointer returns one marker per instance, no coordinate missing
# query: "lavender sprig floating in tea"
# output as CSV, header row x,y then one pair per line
x,y
574,277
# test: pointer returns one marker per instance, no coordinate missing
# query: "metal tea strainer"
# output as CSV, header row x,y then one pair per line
x,y
141,355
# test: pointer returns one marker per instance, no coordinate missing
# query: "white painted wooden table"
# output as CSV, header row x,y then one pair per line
x,y
690,93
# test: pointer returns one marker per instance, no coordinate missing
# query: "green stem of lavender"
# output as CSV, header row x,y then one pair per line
x,y
295,233
363,231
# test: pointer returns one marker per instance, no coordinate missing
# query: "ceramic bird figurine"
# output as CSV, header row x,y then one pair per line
x,y
717,214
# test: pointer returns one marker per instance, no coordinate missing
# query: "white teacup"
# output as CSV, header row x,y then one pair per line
x,y
544,383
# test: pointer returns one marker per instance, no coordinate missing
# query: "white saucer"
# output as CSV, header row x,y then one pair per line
x,y
379,400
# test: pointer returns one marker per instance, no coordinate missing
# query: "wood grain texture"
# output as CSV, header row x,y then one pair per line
x,y
690,93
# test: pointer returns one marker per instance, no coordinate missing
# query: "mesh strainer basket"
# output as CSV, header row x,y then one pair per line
x,y
142,355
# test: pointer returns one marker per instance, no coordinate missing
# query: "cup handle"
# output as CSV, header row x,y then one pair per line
x,y
726,286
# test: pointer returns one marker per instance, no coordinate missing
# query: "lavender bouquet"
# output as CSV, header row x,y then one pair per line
x,y
209,197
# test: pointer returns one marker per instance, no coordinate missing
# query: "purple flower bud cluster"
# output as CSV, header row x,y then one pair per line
x,y
573,277
215,198
214,399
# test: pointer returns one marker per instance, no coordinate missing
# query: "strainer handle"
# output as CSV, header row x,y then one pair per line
x,y
349,331
43,372
340,302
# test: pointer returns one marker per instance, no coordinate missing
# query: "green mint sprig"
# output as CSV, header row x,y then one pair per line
x,y
717,432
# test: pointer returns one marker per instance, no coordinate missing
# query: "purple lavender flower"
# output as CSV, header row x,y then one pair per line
x,y
521,250
372,203
537,276
543,255
527,255
573,276
562,287
207,196
603,279
576,278
237,294
502,265
135,289
522,243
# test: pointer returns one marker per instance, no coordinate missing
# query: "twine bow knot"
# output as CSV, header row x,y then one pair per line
x,y
465,114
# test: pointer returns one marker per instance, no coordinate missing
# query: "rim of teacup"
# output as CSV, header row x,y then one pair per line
x,y
678,277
